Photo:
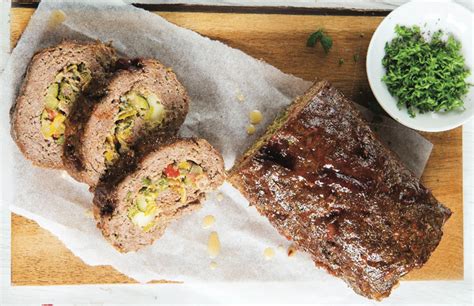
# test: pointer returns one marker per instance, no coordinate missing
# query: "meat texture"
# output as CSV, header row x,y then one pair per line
x,y
325,181
140,100
54,80
135,202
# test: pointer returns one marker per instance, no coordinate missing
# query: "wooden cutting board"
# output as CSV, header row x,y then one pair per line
x,y
278,36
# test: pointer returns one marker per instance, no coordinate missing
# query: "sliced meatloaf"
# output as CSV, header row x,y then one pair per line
x,y
135,202
54,80
325,181
141,99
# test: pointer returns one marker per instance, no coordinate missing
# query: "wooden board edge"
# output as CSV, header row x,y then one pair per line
x,y
201,8
462,195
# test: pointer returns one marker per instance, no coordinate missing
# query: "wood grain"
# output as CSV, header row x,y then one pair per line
x,y
38,258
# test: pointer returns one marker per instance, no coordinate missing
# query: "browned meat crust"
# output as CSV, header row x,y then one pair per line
x,y
325,181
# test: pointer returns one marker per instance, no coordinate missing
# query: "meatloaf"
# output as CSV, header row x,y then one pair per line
x,y
54,80
141,99
326,182
137,199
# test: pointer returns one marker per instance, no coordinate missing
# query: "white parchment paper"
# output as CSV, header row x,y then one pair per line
x,y
224,85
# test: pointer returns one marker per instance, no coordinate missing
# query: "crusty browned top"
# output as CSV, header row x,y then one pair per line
x,y
325,181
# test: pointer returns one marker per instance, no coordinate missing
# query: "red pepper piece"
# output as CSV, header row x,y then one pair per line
x,y
171,171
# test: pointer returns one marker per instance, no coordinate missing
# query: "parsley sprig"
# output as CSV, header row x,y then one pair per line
x,y
322,37
425,75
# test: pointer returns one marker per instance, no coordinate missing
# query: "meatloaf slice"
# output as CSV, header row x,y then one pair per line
x,y
325,181
135,202
55,78
141,99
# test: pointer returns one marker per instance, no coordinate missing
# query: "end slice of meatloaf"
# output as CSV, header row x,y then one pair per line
x,y
142,99
133,205
54,80
325,181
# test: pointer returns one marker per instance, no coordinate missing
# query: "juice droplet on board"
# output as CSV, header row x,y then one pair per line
x,y
213,245
213,265
240,97
268,253
56,18
255,117
208,221
250,129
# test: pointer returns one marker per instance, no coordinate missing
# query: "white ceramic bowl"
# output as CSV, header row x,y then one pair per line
x,y
446,15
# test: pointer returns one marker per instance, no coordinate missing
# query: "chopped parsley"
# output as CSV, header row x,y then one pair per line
x,y
322,37
425,75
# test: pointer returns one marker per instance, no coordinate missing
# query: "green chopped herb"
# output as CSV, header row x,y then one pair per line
x,y
322,37
314,38
341,61
326,42
146,181
356,57
425,75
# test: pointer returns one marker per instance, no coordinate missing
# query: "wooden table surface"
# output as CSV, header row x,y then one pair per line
x,y
39,258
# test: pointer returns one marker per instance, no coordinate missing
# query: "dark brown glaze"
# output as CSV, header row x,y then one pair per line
x,y
325,181
129,64
75,122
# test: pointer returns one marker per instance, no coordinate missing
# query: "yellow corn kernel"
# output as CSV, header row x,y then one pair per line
x,y
182,193
184,165
148,227
58,126
109,155
46,129
150,210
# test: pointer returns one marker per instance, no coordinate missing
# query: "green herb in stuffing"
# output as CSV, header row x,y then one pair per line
x,y
425,75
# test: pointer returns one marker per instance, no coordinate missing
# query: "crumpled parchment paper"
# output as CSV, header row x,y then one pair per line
x,y
224,84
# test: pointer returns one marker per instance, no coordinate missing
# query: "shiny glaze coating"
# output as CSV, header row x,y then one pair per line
x,y
325,181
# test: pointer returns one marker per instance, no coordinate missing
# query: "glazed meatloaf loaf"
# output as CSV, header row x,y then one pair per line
x,y
325,181
142,98
55,78
135,202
